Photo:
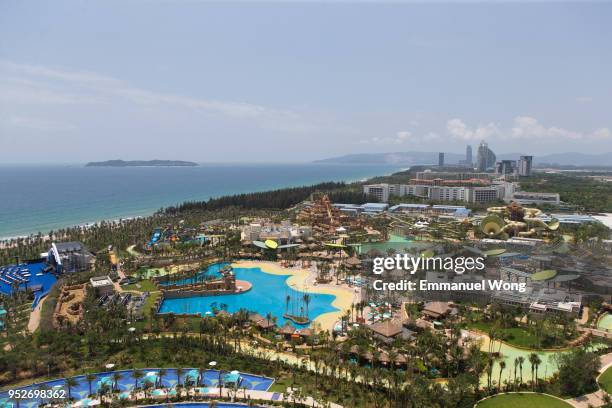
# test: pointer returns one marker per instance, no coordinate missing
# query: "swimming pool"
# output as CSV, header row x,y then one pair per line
x,y
605,322
268,294
126,383
211,272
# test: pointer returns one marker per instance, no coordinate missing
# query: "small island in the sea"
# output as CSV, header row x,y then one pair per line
x,y
142,163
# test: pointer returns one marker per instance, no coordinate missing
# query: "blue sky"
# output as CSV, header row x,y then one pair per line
x,y
284,81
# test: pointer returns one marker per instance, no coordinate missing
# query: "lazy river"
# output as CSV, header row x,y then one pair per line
x,y
268,295
395,242
546,369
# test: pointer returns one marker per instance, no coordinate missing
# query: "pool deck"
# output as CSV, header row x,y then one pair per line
x,y
304,279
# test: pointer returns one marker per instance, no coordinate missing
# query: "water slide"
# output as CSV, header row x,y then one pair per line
x,y
154,238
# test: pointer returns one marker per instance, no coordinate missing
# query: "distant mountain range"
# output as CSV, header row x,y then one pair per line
x,y
414,158
142,163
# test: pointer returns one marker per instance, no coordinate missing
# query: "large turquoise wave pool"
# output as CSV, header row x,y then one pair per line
x,y
269,294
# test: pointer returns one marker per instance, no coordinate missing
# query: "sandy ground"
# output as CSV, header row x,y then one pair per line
x,y
303,279
79,296
34,321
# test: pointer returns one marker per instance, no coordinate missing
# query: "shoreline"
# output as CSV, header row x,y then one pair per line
x,y
145,213
299,278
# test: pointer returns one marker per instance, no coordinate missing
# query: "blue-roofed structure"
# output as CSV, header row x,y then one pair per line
x,y
462,213
442,207
27,276
409,207
374,207
569,219
370,208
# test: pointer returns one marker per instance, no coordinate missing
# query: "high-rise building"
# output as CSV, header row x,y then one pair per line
x,y
468,155
440,159
505,167
485,158
524,165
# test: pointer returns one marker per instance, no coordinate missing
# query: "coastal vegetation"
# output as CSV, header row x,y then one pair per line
x,y
124,233
581,192
278,199
434,365
513,326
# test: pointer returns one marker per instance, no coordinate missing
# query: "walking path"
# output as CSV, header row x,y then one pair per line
x,y
594,399
34,321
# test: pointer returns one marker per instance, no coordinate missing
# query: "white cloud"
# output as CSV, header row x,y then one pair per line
x,y
35,123
602,133
523,127
28,84
459,130
526,127
584,99
402,137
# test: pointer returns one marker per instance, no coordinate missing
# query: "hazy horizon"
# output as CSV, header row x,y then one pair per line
x,y
296,82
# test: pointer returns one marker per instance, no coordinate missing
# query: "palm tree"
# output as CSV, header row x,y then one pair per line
x,y
70,382
90,378
179,373
533,360
268,317
201,372
136,375
502,367
116,377
306,302
521,360
516,363
537,361
160,376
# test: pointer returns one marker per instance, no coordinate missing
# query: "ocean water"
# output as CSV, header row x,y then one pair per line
x,y
268,294
46,197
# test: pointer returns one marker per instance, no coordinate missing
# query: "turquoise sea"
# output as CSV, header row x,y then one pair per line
x,y
40,198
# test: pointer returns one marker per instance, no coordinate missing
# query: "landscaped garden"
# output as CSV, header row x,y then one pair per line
x,y
503,324
523,400
516,336
144,285
605,381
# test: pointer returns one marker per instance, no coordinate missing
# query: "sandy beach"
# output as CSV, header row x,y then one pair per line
x,y
303,279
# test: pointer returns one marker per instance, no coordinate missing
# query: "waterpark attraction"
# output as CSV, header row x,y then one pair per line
x,y
39,275
280,291
123,382
508,354
514,220
27,276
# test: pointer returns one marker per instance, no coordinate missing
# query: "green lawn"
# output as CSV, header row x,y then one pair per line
x,y
150,302
280,385
144,285
523,401
605,381
517,336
